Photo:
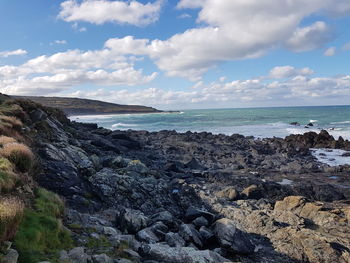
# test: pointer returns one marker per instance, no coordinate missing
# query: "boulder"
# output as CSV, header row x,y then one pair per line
x,y
10,257
174,240
231,238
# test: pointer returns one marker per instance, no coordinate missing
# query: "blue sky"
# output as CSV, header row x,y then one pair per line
x,y
178,54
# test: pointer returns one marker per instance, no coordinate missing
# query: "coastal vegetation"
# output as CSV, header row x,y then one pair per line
x,y
30,216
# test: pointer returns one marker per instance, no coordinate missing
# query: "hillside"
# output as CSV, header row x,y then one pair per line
x,y
76,106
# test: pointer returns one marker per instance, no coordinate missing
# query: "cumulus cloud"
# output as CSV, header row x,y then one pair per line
x,y
18,52
232,30
61,71
103,11
289,71
310,37
300,87
329,52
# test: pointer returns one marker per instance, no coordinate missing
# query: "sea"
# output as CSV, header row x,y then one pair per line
x,y
257,122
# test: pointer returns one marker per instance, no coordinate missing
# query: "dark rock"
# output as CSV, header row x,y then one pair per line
x,y
193,212
231,238
131,220
174,240
189,233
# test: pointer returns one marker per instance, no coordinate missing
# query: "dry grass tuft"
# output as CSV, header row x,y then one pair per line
x,y
11,122
11,214
6,140
19,154
8,178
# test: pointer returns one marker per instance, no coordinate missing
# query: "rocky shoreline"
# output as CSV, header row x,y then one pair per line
x,y
152,197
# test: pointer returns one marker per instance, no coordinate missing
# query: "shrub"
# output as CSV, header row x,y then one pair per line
x,y
41,234
11,213
19,154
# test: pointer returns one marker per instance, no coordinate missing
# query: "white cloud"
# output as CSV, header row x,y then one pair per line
x,y
18,52
62,71
103,11
232,30
238,92
310,37
289,71
329,52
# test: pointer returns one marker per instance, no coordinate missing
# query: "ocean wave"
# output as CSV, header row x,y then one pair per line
x,y
120,124
341,122
313,121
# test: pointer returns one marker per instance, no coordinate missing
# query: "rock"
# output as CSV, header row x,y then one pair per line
x,y
166,217
137,167
37,115
174,240
10,257
103,258
133,255
193,212
200,221
231,238
295,123
131,220
189,233
229,192
78,255
252,192
166,254
346,154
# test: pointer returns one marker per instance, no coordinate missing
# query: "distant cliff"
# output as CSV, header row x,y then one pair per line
x,y
76,106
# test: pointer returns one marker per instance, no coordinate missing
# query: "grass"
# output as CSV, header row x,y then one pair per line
x,y
6,140
19,154
8,178
11,213
41,234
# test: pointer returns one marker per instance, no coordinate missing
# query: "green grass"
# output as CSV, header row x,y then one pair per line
x,y
41,235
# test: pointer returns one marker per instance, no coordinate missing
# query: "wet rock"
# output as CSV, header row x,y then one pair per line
x,y
231,238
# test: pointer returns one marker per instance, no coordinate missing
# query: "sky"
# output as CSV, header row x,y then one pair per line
x,y
178,54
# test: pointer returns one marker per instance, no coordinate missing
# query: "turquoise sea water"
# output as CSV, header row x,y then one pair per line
x,y
258,122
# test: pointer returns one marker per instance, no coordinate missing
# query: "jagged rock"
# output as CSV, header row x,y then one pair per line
x,y
166,254
231,238
131,220
189,233
174,240
133,255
